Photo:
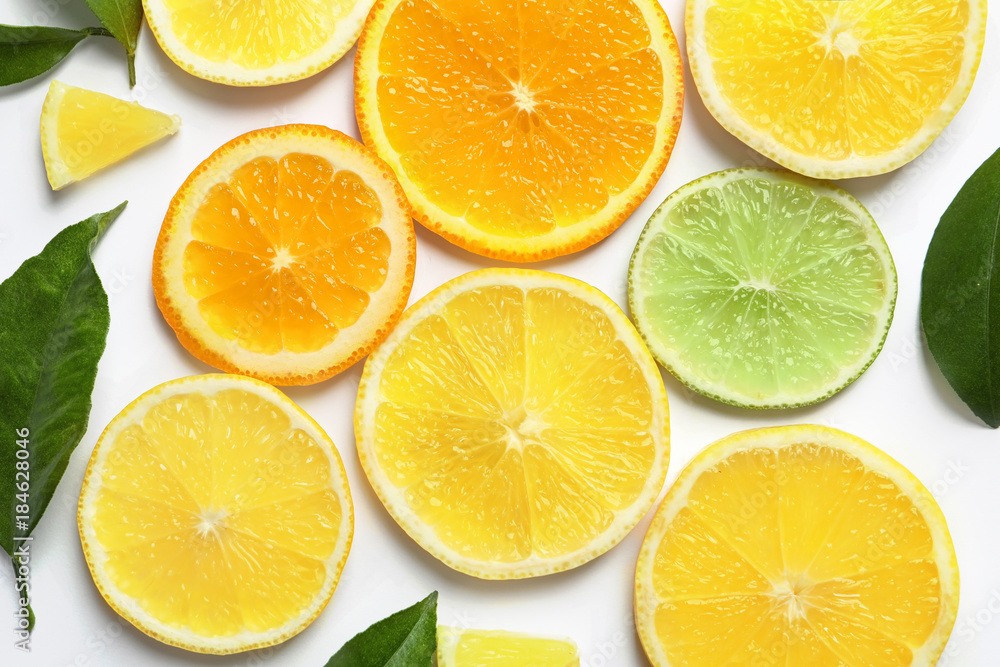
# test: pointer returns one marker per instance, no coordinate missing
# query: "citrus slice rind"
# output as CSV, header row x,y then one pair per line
x,y
138,484
564,442
355,264
762,289
84,131
500,168
209,41
462,647
799,544
849,92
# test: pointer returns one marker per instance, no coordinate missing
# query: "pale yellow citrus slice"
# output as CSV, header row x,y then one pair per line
x,y
287,255
513,423
216,515
835,89
520,130
459,647
84,131
252,43
800,546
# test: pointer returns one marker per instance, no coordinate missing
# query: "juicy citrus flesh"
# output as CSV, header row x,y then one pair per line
x,y
514,425
241,33
796,546
763,290
214,517
496,648
284,252
84,131
521,130
286,232
853,88
247,43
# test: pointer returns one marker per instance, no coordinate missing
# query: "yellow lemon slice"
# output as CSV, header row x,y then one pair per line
x,y
459,647
835,89
248,43
801,546
513,423
84,132
216,515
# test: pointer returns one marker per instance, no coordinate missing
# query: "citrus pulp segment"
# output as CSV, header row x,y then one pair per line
x,y
459,647
216,515
84,131
801,546
835,89
761,288
247,43
522,130
286,255
513,424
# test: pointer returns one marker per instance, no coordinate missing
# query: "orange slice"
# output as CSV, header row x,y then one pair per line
x,y
520,131
287,255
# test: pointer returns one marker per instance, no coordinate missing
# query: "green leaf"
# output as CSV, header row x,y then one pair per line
x,y
408,638
124,19
960,295
53,327
27,51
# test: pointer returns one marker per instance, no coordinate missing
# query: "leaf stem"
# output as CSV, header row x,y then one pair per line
x,y
101,32
131,70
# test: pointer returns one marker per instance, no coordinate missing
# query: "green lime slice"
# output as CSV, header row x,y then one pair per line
x,y
761,288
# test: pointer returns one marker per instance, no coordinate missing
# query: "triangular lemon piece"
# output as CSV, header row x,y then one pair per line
x,y
84,131
459,647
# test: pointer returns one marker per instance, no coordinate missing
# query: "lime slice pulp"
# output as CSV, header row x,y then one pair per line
x,y
762,289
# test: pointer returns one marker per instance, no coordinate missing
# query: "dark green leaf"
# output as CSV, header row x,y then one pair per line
x,y
53,327
124,19
960,297
408,638
27,51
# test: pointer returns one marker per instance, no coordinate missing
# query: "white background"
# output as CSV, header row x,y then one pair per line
x,y
902,404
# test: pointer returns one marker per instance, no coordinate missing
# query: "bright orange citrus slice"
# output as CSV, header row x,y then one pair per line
x,y
287,255
520,131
